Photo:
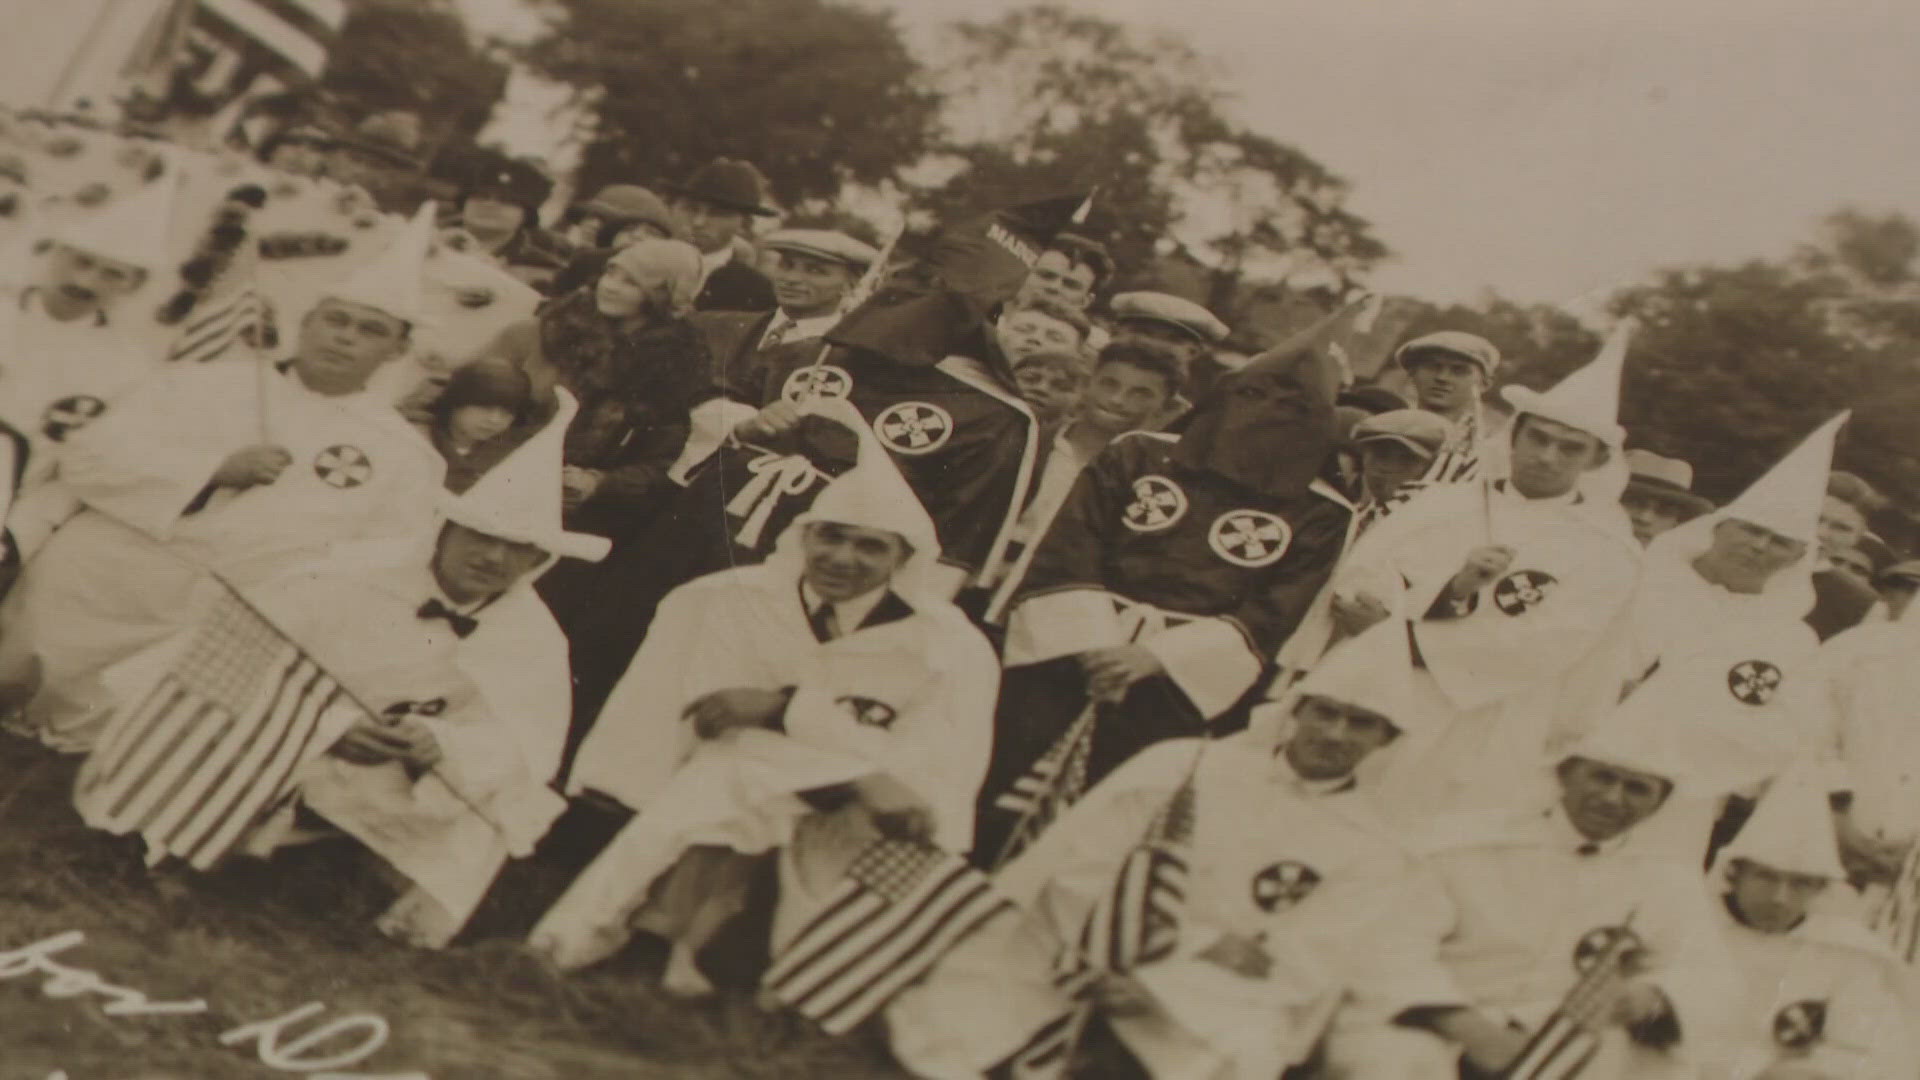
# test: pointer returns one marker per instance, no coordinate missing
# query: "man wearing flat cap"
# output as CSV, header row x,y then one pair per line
x,y
813,272
1450,370
1395,449
715,206
1659,494
1176,325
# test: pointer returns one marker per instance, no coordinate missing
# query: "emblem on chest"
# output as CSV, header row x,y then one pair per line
x,y
820,380
1157,504
913,427
343,466
70,414
1283,885
1250,538
871,712
1754,682
1800,1025
1523,590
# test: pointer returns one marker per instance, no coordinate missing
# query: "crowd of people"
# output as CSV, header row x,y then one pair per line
x,y
942,641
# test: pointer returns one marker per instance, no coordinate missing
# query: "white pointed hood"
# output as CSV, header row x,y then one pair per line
x,y
394,280
1791,830
136,229
519,499
1373,671
1588,399
1788,498
1640,741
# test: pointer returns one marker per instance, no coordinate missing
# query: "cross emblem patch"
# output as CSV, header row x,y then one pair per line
x,y
1157,503
1587,951
1283,885
820,380
1250,538
1800,1025
913,427
343,466
70,414
1754,681
429,707
1522,591
869,711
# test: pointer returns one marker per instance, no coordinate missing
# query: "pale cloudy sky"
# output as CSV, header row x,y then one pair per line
x,y
1553,150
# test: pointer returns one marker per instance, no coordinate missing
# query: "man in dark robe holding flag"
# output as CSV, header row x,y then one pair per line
x,y
1171,575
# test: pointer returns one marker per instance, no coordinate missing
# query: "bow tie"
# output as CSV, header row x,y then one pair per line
x,y
462,624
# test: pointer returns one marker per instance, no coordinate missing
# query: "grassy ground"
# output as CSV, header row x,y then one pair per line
x,y
256,940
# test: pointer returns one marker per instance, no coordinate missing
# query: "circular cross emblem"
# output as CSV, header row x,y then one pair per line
x,y
1157,503
429,707
869,711
70,414
820,380
1800,1025
1283,885
343,466
1594,943
1250,537
1522,590
913,427
1753,681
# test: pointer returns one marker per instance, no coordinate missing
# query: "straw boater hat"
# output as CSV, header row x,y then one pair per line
x,y
519,499
1665,478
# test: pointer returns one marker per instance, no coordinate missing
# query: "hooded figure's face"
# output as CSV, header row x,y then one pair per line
x,y
471,566
846,561
1770,900
1270,426
1602,800
1331,738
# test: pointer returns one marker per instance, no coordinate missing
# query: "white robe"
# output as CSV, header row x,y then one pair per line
x,y
1494,677
1256,825
1823,960
911,699
1520,898
124,572
506,699
1872,677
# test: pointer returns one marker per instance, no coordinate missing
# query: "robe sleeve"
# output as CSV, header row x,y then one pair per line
x,y
140,463
1481,659
1064,606
969,488
639,738
1215,661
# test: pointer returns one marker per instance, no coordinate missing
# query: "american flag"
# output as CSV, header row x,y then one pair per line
x,y
1567,1041
242,317
203,753
1053,783
898,909
1897,919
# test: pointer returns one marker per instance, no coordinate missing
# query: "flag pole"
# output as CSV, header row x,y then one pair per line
x,y
868,284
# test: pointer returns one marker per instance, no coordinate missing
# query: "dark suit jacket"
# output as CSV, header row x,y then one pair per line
x,y
1840,602
736,287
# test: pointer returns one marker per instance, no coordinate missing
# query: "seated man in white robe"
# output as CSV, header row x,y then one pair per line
x,y
834,663
1533,895
224,468
462,675
1273,889
1820,997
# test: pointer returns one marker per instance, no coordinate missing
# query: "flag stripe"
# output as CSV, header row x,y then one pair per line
x,y
886,922
176,730
902,962
236,772
269,787
164,697
212,730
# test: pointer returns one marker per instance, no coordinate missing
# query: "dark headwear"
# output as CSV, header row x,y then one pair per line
x,y
520,183
1372,400
485,382
726,182
1276,439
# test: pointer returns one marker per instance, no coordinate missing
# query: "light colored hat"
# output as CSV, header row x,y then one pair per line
x,y
1664,477
519,499
1791,830
135,229
1640,741
823,244
1372,671
1788,499
672,263
1416,429
392,281
1456,342
1588,399
1174,311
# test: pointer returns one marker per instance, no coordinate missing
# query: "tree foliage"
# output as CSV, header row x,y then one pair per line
x,y
816,94
414,55
1044,100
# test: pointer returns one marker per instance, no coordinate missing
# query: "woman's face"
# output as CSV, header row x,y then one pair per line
x,y
619,294
478,423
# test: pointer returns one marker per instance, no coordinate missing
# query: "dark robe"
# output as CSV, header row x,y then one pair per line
x,y
735,287
1840,602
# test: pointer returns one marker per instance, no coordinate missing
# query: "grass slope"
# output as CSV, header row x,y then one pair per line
x,y
259,939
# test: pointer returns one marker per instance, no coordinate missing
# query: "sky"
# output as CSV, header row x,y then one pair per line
x,y
1552,152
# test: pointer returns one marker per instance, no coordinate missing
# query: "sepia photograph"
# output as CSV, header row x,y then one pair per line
x,y
959,540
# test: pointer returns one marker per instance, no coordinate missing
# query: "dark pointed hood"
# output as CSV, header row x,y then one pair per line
x,y
938,307
1270,426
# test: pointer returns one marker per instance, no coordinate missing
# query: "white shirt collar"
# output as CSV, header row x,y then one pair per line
x,y
848,615
1506,489
791,329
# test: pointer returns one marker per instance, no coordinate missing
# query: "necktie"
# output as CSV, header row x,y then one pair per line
x,y
825,626
778,331
462,624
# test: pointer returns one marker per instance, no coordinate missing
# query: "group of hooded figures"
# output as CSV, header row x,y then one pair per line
x,y
1242,776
